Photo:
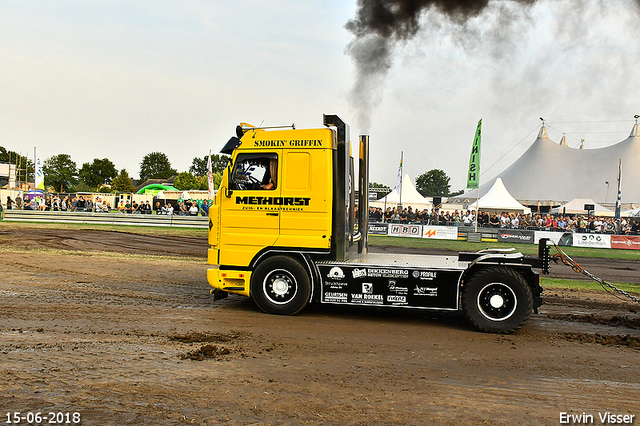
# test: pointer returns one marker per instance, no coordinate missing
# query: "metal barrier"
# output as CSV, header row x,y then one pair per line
x,y
107,218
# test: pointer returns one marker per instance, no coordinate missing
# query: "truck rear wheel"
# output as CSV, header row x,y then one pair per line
x,y
281,285
497,300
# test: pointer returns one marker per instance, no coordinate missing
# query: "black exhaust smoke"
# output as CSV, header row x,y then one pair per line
x,y
378,26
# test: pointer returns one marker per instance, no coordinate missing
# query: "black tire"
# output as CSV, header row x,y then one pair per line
x,y
497,300
281,285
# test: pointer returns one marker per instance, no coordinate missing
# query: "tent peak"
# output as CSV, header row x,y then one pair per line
x,y
563,141
542,134
635,132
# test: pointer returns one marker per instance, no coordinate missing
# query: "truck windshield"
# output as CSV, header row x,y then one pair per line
x,y
254,172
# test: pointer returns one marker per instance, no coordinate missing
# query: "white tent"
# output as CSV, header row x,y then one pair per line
x,y
548,171
576,206
498,199
410,197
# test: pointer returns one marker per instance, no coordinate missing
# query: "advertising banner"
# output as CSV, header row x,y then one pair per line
x,y
560,238
592,240
389,286
473,178
401,230
625,242
520,236
378,228
440,232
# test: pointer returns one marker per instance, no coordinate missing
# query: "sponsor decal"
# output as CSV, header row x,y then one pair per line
x,y
400,230
367,288
335,297
295,143
359,273
393,287
426,291
592,240
367,299
514,235
428,274
625,242
336,285
440,232
387,273
288,204
393,298
335,273
374,299
379,228
425,275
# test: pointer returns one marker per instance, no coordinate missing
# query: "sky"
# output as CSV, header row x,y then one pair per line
x,y
121,79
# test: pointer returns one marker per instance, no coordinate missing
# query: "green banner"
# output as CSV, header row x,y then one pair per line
x,y
473,177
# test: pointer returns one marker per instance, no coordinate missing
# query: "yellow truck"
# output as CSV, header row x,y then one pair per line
x,y
284,230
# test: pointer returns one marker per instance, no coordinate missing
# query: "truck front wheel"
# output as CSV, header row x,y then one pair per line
x,y
497,300
281,285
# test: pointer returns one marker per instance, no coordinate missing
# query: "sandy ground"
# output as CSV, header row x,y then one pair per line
x,y
91,326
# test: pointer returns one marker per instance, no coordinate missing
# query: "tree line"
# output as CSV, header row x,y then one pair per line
x,y
62,174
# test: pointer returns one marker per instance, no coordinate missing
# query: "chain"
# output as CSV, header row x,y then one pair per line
x,y
564,258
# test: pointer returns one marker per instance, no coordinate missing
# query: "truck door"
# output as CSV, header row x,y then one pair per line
x,y
307,183
251,215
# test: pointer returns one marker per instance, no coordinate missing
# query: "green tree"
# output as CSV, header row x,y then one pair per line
x,y
199,165
185,181
97,173
122,183
435,182
60,172
80,186
204,182
156,165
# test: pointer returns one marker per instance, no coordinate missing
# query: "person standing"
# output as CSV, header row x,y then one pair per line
x,y
9,203
204,208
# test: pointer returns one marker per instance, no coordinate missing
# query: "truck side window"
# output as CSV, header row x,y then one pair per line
x,y
254,172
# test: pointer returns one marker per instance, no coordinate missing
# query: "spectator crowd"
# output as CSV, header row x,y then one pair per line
x,y
81,204
541,222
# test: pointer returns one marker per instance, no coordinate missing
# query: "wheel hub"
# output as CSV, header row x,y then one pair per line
x,y
280,286
496,301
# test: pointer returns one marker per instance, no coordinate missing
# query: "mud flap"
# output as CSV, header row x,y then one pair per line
x,y
218,294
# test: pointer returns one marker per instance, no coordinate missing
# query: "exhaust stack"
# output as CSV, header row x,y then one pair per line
x,y
363,195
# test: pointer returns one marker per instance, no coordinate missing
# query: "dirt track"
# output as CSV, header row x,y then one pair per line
x,y
127,339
